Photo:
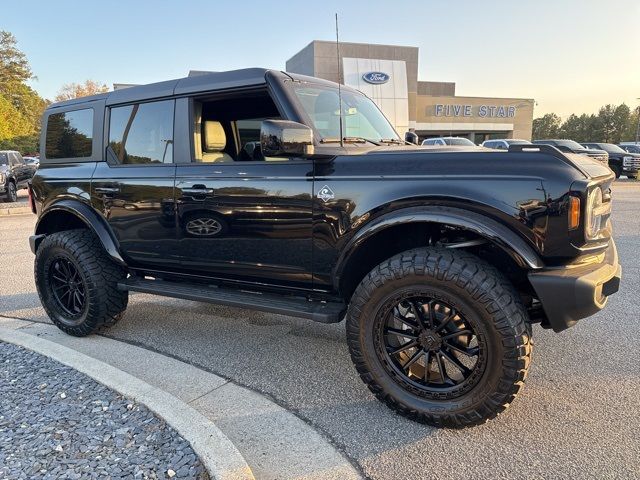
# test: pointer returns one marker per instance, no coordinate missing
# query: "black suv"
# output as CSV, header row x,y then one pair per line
x,y
620,161
14,174
569,146
278,192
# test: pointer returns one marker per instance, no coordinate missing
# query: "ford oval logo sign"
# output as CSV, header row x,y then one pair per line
x,y
377,78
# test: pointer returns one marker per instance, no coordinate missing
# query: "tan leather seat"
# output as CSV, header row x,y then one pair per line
x,y
215,141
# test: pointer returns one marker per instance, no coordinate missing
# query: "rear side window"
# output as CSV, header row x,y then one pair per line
x,y
142,133
70,134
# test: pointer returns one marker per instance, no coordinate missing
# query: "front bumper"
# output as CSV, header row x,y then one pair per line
x,y
579,289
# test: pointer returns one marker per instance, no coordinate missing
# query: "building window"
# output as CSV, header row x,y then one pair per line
x,y
70,134
142,133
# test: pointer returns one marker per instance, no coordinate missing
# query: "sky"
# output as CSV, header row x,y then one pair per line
x,y
571,56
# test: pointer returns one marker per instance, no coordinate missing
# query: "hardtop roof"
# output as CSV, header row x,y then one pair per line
x,y
204,82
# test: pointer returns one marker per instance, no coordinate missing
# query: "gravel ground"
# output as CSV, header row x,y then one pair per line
x,y
58,423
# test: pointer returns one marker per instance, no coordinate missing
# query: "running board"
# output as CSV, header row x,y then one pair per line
x,y
301,307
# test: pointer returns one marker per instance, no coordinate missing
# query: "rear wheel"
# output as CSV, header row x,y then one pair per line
x,y
77,282
439,336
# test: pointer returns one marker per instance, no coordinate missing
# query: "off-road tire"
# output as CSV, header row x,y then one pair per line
x,y
104,303
480,290
12,192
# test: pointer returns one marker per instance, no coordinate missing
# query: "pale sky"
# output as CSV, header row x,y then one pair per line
x,y
571,56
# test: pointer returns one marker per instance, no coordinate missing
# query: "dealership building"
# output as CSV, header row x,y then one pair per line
x,y
388,74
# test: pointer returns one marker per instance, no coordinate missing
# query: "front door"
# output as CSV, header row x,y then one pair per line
x,y
134,189
242,216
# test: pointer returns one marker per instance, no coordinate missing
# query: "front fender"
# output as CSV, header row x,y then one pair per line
x,y
513,244
90,218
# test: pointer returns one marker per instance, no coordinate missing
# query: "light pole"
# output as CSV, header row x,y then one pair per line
x,y
638,129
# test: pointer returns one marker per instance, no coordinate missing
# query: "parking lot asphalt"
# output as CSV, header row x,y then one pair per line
x,y
576,418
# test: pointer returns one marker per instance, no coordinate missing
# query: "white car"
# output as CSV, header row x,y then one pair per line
x,y
456,141
503,143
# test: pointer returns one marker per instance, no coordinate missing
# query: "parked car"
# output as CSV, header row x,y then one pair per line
x,y
32,160
440,278
620,161
630,147
455,141
14,174
569,146
503,143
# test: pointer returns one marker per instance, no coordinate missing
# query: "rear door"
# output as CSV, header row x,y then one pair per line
x,y
134,188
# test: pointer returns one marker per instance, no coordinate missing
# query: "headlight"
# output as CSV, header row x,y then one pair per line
x,y
596,212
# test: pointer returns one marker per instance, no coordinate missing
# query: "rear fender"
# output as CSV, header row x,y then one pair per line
x,y
89,217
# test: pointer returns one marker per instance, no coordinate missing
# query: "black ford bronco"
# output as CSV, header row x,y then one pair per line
x,y
279,192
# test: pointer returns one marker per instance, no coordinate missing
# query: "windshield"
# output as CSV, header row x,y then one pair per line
x,y
609,147
570,144
459,141
361,117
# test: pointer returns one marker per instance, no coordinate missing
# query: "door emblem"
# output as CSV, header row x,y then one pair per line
x,y
325,194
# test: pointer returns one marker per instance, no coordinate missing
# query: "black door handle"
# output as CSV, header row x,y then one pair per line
x,y
198,190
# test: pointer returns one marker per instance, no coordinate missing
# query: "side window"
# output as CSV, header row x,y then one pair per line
x,y
18,158
70,134
4,159
227,129
142,133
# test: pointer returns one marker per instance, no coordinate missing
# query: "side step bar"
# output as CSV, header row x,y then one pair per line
x,y
301,307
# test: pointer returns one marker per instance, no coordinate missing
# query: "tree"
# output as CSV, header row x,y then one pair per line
x,y
547,126
20,106
14,67
75,90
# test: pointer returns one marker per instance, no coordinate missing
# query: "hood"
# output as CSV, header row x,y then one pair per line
x,y
591,167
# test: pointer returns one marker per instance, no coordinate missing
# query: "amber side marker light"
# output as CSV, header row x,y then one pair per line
x,y
574,212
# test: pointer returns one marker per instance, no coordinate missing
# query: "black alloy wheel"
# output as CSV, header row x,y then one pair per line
x,y
69,288
428,346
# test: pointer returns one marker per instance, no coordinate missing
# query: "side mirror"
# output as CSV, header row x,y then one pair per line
x,y
411,137
283,137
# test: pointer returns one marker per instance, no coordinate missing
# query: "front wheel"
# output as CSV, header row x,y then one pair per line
x,y
12,193
439,336
78,283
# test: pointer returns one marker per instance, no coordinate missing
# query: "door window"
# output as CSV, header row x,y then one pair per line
x,y
142,133
228,129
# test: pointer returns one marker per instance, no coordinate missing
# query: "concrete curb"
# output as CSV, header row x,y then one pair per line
x,y
219,455
21,210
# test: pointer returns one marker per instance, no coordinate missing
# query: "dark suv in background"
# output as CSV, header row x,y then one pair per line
x,y
279,192
14,174
620,161
569,146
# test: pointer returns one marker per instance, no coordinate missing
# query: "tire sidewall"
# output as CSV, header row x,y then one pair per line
x,y
471,309
47,253
12,194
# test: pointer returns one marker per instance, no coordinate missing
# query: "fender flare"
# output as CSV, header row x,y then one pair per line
x,y
91,219
506,238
